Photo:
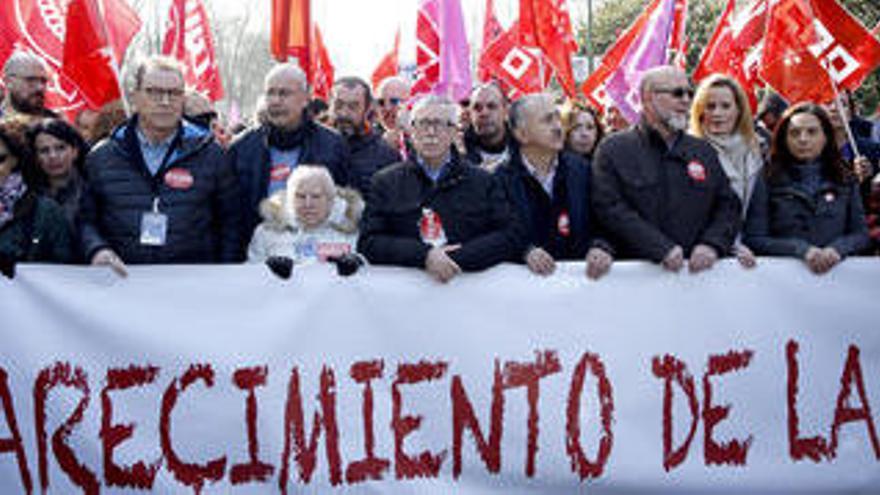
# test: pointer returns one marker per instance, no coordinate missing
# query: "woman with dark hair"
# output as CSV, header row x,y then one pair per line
x,y
720,114
60,153
32,227
582,127
807,205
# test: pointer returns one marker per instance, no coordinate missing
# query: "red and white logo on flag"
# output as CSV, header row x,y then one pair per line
x,y
188,38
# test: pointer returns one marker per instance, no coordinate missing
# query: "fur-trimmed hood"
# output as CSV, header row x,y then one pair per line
x,y
345,214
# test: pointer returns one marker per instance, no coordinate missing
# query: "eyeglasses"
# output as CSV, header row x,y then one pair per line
x,y
679,92
435,125
159,94
280,92
389,101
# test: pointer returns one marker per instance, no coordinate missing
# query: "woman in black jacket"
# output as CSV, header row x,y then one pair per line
x,y
807,205
32,227
60,153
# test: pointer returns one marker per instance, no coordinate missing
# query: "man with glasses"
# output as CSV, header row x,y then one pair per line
x,y
350,101
393,94
488,140
266,155
660,193
435,211
26,78
159,189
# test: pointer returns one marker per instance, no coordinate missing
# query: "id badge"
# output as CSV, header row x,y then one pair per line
x,y
154,228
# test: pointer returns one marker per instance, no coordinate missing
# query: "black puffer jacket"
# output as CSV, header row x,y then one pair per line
x,y
202,208
784,220
369,154
37,232
249,154
649,198
472,207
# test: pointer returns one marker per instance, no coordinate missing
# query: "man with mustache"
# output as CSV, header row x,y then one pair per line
x,y
487,139
549,188
26,79
660,193
350,102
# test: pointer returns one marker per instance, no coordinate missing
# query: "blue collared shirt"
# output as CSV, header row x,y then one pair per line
x,y
154,154
434,173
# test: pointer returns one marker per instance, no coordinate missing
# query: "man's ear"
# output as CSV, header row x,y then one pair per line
x,y
520,134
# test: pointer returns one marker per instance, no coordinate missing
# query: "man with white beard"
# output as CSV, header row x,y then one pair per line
x,y
660,194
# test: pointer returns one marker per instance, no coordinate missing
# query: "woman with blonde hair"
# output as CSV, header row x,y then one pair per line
x,y
720,114
582,127
310,221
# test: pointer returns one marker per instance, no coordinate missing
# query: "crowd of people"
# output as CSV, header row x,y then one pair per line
x,y
431,183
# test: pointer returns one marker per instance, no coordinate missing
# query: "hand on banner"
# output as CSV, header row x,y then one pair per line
x,y
702,258
540,261
674,259
106,257
821,260
346,264
440,265
281,266
7,265
745,256
598,263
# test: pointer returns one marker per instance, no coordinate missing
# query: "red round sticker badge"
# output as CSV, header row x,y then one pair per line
x,y
179,178
279,173
563,224
697,171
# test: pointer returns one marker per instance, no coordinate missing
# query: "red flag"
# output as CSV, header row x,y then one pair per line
x,y
427,47
787,64
735,47
388,66
322,69
594,86
547,25
517,68
189,39
89,60
41,31
678,41
844,46
492,30
291,21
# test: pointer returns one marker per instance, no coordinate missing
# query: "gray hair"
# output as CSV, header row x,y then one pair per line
x,y
517,112
434,100
18,58
304,172
650,76
293,69
156,62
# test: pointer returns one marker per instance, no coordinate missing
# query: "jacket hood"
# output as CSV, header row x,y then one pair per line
x,y
345,214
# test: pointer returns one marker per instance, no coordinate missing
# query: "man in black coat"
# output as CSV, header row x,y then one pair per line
x,y
350,101
436,211
159,190
660,193
549,189
265,156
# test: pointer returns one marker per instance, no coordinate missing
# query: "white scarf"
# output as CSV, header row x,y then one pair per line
x,y
741,162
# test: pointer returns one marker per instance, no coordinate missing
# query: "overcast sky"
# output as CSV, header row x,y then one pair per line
x,y
359,32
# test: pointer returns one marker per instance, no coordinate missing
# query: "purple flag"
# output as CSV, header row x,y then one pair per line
x,y
455,54
648,51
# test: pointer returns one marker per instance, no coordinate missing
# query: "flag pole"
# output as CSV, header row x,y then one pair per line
x,y
840,111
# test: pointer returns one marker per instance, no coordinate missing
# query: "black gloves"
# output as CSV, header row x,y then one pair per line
x,y
7,265
346,264
281,266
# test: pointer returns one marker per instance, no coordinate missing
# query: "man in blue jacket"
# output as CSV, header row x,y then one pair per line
x,y
266,155
159,190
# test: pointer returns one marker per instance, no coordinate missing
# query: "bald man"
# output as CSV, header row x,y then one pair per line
x,y
266,155
26,79
660,193
392,95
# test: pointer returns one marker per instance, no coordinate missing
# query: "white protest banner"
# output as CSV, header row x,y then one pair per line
x,y
208,379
